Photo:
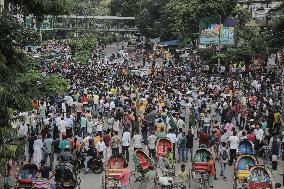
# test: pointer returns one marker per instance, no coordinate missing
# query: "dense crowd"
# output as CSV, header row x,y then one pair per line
x,y
110,108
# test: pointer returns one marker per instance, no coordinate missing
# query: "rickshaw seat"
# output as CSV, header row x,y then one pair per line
x,y
25,181
200,165
243,173
114,173
256,185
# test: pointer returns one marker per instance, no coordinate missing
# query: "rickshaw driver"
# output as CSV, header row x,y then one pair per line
x,y
164,163
92,152
66,155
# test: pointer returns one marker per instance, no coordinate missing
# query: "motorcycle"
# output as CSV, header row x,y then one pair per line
x,y
95,163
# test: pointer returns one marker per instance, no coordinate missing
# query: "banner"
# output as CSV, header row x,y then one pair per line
x,y
217,31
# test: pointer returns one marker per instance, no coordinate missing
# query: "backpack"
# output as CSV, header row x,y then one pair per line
x,y
225,155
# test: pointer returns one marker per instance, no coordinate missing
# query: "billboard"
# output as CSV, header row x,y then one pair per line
x,y
217,31
45,24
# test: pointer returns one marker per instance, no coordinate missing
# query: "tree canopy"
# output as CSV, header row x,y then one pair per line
x,y
20,80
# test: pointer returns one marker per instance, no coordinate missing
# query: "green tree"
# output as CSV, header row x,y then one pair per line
x,y
28,37
187,14
87,7
124,7
275,36
20,80
152,17
82,47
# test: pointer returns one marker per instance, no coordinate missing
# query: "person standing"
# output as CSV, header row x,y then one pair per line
x,y
223,157
79,109
233,142
37,146
211,172
55,147
106,138
114,142
144,130
47,149
259,133
179,137
31,141
100,146
152,145
183,176
124,176
70,125
64,142
173,139
137,141
275,153
83,125
243,116
125,144
277,121
62,127
189,144
11,173
207,122
182,145
23,129
42,112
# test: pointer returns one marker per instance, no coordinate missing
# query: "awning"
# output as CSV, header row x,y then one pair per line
x,y
169,43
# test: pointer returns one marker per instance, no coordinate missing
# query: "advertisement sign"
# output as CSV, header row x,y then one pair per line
x,y
217,31
45,23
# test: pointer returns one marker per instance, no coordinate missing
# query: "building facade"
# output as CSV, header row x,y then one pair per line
x,y
259,8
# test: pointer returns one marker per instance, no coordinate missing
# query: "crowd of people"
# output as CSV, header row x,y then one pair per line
x,y
109,108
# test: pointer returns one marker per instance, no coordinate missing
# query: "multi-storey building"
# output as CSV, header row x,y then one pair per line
x,y
260,9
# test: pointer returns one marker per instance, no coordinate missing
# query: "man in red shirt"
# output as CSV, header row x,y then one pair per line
x,y
106,138
211,172
251,137
124,177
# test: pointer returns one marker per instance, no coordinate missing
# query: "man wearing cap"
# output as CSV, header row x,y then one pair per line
x,y
66,155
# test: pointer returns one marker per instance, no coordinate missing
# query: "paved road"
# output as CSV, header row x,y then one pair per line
x,y
92,181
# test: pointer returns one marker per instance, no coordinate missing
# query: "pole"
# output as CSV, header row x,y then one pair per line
x,y
219,61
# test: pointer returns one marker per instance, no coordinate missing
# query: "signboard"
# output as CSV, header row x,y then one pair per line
x,y
217,31
45,24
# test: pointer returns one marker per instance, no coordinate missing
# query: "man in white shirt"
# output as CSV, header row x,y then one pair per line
x,y
100,146
180,123
152,145
23,130
99,127
112,105
258,132
233,143
62,127
125,144
57,120
173,139
137,141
